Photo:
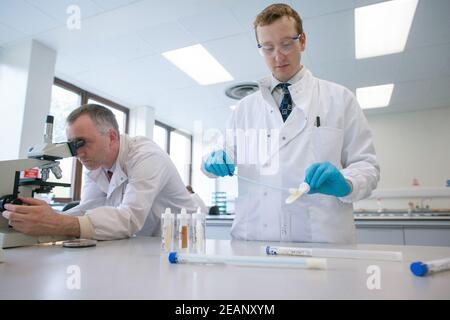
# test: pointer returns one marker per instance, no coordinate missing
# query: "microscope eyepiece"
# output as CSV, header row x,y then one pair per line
x,y
75,145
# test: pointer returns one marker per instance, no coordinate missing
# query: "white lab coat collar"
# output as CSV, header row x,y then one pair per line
x,y
302,92
297,77
119,169
110,169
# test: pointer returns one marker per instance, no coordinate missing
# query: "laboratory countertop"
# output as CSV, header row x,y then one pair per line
x,y
445,216
135,269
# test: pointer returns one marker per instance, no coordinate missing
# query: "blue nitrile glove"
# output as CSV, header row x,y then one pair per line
x,y
219,164
327,179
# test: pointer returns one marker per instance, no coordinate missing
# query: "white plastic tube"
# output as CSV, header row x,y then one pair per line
x,y
336,253
306,263
421,269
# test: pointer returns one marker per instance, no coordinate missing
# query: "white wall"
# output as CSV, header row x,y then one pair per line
x,y
14,64
142,121
41,75
412,145
26,78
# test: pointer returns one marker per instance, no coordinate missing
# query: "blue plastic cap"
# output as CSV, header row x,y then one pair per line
x,y
419,269
173,257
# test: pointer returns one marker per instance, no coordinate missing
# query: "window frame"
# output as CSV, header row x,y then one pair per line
x,y
169,130
85,95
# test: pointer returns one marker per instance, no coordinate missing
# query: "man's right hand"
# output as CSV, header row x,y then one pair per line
x,y
219,164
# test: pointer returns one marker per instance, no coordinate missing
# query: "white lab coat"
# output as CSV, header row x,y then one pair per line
x,y
145,182
344,139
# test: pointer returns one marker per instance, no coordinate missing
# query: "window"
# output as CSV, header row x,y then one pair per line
x,y
160,137
63,102
65,98
178,145
120,115
180,153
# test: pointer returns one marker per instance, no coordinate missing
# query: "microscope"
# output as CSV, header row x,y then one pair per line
x,y
45,158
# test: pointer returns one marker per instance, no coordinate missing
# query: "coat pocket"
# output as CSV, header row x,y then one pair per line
x,y
327,144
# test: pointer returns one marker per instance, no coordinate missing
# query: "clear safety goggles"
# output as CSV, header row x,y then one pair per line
x,y
285,47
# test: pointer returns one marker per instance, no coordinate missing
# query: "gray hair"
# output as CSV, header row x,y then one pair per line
x,y
102,117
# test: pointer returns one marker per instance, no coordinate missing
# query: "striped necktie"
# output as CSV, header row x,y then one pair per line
x,y
286,103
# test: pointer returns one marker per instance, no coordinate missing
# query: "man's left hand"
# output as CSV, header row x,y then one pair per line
x,y
37,218
325,178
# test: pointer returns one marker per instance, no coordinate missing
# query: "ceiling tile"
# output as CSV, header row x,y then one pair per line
x,y
425,63
341,72
315,8
126,20
306,60
58,9
213,24
413,92
330,38
440,91
377,71
431,25
69,66
363,3
112,4
151,75
238,54
246,11
24,17
167,36
8,35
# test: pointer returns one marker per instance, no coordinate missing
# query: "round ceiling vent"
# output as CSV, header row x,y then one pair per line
x,y
241,90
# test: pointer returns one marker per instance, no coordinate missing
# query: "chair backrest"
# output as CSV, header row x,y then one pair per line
x,y
214,211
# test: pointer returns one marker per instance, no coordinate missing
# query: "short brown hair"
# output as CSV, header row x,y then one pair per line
x,y
103,118
277,11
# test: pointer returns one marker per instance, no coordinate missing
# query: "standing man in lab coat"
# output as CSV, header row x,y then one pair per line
x,y
313,130
128,183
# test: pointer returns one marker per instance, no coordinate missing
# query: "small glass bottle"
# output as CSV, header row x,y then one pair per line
x,y
198,232
167,231
184,232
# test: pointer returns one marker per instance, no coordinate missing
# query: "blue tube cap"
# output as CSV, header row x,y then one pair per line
x,y
173,257
419,268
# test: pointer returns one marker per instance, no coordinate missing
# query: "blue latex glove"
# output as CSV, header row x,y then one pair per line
x,y
219,164
327,179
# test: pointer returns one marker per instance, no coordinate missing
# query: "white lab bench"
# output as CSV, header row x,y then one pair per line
x,y
135,269
376,229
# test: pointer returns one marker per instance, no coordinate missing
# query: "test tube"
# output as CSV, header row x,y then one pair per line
x,y
184,232
421,269
198,232
305,263
167,231
335,253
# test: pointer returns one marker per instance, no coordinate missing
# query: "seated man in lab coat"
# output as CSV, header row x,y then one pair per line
x,y
128,183
296,128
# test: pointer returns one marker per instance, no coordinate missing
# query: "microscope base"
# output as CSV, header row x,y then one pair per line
x,y
13,239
